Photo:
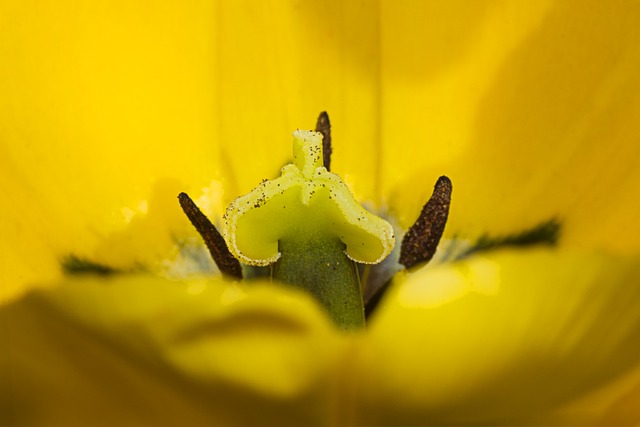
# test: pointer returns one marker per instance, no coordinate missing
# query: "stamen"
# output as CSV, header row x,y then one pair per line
x,y
420,243
74,265
324,127
228,265
545,233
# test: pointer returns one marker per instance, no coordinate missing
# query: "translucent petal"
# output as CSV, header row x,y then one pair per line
x,y
503,338
109,108
280,64
101,108
530,108
139,350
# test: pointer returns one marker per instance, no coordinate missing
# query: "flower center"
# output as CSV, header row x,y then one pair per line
x,y
310,227
307,226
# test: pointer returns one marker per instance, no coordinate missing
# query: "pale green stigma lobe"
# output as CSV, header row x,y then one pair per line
x,y
307,152
306,200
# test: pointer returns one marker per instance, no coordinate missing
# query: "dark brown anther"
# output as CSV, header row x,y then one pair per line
x,y
421,241
228,265
324,127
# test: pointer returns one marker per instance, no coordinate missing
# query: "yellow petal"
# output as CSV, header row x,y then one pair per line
x,y
101,106
530,108
139,350
509,337
279,64
104,105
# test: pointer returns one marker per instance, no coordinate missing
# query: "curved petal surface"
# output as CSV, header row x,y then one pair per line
x,y
503,338
532,116
101,107
108,108
138,350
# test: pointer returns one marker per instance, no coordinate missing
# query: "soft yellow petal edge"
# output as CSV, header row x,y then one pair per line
x,y
139,349
506,337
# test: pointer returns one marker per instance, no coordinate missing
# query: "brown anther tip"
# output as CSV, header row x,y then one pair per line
x,y
228,265
444,183
421,241
323,125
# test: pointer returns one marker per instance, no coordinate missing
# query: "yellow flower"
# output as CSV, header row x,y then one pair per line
x,y
109,109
